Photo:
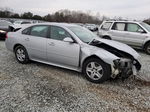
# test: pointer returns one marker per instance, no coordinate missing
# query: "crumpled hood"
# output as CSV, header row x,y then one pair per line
x,y
120,46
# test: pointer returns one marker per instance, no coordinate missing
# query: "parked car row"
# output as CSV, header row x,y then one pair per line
x,y
6,26
136,34
10,25
91,27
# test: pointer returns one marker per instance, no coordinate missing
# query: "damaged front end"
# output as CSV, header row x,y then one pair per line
x,y
123,67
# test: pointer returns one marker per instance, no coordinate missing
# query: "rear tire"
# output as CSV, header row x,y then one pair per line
x,y
21,54
96,71
106,37
147,48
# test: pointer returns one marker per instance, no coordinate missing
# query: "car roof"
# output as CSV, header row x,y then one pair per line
x,y
50,23
124,21
59,24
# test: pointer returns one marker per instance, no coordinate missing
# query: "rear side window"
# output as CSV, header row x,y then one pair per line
x,y
119,26
26,31
39,31
106,25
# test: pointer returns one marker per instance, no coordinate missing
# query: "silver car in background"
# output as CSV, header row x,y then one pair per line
x,y
133,33
73,47
91,27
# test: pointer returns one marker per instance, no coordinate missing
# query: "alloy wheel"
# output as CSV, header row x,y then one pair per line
x,y
20,54
94,70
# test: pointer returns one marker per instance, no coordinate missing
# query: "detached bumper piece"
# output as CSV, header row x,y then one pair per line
x,y
127,67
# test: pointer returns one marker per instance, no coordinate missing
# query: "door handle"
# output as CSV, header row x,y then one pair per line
x,y
51,44
26,39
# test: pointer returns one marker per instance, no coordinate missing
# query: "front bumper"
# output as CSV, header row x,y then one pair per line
x,y
125,67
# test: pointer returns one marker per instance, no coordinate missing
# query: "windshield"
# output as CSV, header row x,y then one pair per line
x,y
146,26
83,34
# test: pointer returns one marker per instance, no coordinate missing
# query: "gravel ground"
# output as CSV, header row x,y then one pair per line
x,y
38,87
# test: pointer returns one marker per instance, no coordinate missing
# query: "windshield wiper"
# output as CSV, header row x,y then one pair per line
x,y
94,42
90,41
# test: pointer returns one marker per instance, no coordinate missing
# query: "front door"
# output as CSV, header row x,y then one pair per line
x,y
135,34
60,52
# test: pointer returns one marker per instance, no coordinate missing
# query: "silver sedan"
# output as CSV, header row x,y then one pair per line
x,y
73,47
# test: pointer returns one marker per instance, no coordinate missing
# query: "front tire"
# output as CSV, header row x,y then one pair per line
x,y
106,37
147,48
96,71
21,55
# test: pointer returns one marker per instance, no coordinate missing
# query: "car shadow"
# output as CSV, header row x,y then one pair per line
x,y
132,81
55,68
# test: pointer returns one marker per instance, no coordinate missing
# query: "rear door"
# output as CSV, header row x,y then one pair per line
x,y
35,42
118,31
60,52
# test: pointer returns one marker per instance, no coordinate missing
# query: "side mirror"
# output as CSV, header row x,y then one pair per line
x,y
68,39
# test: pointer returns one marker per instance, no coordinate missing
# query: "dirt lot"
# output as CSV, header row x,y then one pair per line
x,y
38,87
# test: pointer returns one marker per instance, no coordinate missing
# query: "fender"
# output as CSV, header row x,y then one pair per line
x,y
146,41
104,55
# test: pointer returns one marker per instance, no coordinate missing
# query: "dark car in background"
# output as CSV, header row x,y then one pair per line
x,y
4,28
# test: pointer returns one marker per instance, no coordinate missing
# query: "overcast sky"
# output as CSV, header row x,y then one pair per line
x,y
133,9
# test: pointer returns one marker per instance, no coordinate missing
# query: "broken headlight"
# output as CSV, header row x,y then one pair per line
x,y
116,62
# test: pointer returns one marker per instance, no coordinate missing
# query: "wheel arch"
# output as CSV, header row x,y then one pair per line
x,y
89,57
105,67
103,55
146,44
16,45
106,37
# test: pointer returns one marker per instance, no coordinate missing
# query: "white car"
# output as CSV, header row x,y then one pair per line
x,y
22,22
18,24
133,33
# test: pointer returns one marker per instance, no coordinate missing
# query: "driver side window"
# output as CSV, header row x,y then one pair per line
x,y
58,33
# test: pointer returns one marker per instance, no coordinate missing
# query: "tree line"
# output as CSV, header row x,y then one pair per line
x,y
59,16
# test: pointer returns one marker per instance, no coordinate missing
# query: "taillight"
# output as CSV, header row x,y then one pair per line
x,y
6,36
